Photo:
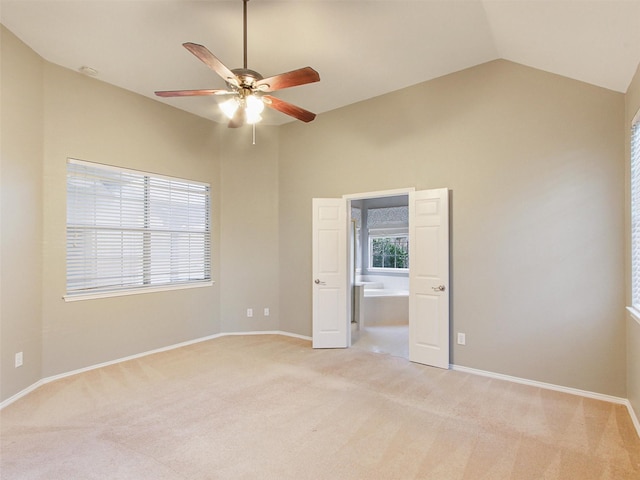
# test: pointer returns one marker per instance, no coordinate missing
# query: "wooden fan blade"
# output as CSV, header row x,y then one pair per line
x,y
239,118
288,108
192,93
294,78
210,60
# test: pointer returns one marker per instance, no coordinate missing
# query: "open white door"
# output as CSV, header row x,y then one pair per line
x,y
429,277
331,328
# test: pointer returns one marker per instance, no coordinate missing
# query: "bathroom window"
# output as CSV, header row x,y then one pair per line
x,y
130,231
389,251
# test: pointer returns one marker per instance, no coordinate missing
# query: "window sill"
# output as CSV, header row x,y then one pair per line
x,y
635,314
135,291
389,270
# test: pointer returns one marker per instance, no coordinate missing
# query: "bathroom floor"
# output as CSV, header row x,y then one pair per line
x,y
390,339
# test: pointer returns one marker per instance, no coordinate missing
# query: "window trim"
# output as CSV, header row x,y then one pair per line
x,y
635,314
146,288
633,309
385,233
135,291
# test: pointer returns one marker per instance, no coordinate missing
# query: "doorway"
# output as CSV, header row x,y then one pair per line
x,y
379,273
428,274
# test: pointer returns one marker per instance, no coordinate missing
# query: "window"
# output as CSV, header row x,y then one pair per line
x,y
387,231
389,251
130,230
635,216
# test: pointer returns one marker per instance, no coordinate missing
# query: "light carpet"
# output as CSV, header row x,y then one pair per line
x,y
270,407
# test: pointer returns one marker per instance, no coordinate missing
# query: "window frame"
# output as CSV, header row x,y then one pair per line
x,y
145,259
634,215
392,234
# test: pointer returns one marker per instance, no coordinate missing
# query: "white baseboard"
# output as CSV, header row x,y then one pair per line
x,y
547,386
22,393
268,332
557,388
46,380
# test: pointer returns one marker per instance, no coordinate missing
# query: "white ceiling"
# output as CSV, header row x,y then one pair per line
x,y
361,48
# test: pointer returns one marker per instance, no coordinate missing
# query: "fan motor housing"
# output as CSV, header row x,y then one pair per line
x,y
246,77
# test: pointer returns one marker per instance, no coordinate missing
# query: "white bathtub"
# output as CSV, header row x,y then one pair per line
x,y
383,292
385,307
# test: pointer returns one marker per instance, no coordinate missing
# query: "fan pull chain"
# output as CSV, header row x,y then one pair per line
x,y
254,133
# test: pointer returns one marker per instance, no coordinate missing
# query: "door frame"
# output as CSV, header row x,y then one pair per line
x,y
363,196
349,278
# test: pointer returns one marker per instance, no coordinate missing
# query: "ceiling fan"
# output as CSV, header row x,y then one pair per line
x,y
247,87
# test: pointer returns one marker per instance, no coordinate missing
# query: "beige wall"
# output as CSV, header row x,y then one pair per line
x,y
249,236
49,114
52,113
94,121
21,77
633,327
535,164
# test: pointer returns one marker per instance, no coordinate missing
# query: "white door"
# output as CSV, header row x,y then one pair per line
x,y
331,327
429,277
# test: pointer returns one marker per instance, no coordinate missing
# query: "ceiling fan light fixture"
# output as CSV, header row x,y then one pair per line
x,y
229,107
254,107
248,87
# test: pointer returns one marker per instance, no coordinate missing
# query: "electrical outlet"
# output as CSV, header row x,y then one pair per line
x,y
18,359
462,339
249,312
266,311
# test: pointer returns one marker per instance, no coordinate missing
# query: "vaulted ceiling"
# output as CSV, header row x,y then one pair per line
x,y
361,48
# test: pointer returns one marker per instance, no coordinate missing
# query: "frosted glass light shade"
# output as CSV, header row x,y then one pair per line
x,y
229,107
254,107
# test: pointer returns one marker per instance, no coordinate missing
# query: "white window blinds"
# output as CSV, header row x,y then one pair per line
x,y
635,215
130,230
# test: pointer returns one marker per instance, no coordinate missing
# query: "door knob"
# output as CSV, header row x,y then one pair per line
x,y
439,288
318,282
